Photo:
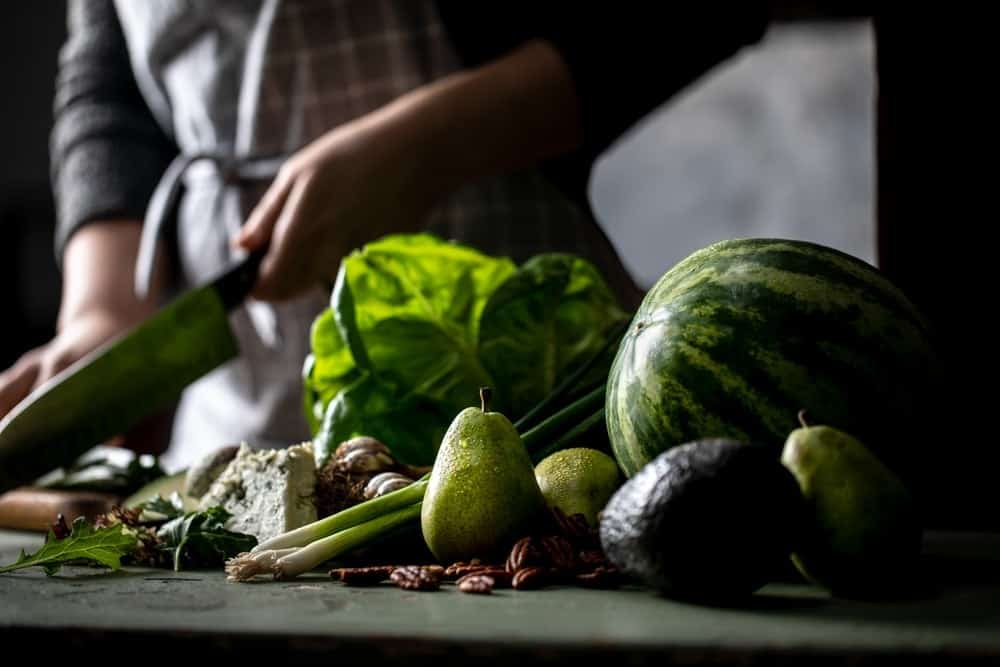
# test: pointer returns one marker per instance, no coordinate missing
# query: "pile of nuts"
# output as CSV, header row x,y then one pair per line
x,y
571,556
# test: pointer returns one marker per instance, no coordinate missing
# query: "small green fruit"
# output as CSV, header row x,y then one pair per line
x,y
578,481
482,493
863,537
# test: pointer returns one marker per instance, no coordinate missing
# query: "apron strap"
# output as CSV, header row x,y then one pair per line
x,y
163,204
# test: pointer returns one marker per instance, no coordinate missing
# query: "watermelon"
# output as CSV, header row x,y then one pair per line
x,y
740,336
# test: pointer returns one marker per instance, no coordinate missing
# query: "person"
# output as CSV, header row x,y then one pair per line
x,y
470,119
389,123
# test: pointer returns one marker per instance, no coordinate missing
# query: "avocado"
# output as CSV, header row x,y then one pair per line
x,y
711,520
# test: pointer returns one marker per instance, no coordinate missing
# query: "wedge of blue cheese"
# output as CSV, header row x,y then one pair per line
x,y
267,491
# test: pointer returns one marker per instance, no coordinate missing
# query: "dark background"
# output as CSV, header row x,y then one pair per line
x,y
30,36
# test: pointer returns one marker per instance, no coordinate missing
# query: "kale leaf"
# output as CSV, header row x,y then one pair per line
x,y
200,539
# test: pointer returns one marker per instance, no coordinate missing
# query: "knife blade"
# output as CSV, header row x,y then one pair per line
x,y
128,378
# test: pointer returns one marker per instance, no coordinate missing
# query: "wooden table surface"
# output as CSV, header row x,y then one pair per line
x,y
314,620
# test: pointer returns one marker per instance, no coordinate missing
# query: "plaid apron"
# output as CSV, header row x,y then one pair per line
x,y
266,77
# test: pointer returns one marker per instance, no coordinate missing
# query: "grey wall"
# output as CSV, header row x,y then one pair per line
x,y
777,142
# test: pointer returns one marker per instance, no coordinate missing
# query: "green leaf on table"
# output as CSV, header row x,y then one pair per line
x,y
103,547
200,539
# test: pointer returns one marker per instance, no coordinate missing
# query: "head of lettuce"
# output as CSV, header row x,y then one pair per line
x,y
417,324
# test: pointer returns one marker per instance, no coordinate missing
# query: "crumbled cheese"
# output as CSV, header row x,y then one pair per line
x,y
268,492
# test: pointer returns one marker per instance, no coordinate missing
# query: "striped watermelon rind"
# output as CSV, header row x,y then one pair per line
x,y
741,335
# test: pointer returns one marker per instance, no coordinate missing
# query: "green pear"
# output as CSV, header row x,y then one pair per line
x,y
482,493
578,481
863,533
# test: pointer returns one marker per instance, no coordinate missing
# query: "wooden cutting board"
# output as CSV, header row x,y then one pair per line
x,y
34,509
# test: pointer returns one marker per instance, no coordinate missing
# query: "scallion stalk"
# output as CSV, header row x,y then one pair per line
x,y
571,384
305,559
289,563
248,565
556,425
570,436
352,516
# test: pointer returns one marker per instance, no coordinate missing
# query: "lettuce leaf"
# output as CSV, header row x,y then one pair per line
x,y
413,424
399,340
547,319
328,369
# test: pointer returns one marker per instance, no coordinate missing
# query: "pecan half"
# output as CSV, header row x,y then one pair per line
x,y
601,577
526,552
461,568
476,583
362,576
417,578
530,578
569,526
558,552
500,576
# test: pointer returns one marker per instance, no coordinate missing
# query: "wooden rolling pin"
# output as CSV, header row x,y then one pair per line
x,y
34,509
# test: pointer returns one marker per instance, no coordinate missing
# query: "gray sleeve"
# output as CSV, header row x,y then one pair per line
x,y
107,152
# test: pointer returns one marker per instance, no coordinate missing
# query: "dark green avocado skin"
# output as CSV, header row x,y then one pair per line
x,y
711,520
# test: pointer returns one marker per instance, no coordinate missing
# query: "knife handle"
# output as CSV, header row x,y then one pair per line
x,y
31,508
235,283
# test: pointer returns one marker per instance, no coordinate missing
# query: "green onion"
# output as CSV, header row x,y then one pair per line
x,y
248,565
570,384
320,551
570,436
289,563
352,516
556,425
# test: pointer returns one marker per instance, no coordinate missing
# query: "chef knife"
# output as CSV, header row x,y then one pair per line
x,y
130,377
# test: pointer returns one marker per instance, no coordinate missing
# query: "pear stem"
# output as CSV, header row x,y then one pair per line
x,y
485,394
802,419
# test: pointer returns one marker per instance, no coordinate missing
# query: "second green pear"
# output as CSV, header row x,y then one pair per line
x,y
864,533
482,493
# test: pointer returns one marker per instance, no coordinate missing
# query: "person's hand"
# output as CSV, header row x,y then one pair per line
x,y
382,172
350,186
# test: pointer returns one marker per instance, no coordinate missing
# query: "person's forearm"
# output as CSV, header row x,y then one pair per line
x,y
514,112
382,173
98,269
508,114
